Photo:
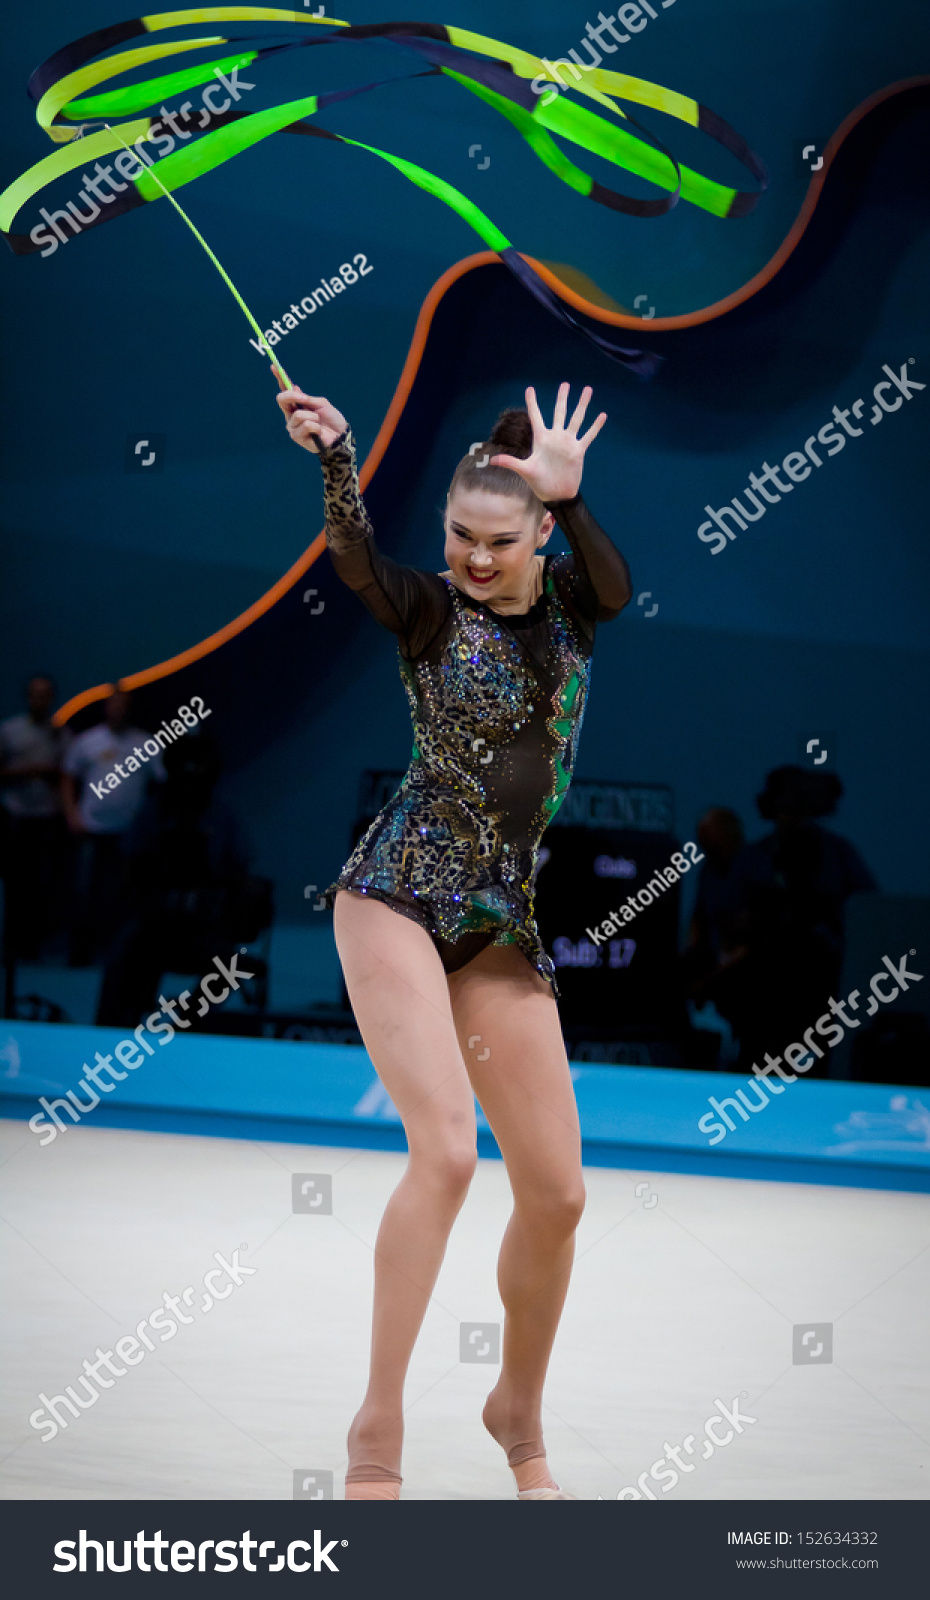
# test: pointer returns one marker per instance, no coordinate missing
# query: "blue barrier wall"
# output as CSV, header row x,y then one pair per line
x,y
644,1118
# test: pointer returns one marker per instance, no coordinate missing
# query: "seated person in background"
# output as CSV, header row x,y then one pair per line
x,y
186,864
786,895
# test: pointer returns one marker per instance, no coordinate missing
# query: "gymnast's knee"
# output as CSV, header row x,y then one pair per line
x,y
447,1164
558,1206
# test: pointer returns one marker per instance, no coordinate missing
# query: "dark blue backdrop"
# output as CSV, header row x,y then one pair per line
x,y
813,619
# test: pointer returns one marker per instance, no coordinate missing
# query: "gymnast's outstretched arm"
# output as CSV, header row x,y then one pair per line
x,y
410,602
595,579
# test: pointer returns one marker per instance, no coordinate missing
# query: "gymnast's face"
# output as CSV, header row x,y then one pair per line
x,y
491,542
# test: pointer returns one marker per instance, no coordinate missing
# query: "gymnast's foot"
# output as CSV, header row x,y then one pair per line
x,y
375,1442
521,1437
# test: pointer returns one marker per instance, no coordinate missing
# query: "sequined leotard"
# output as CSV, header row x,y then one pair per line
x,y
497,703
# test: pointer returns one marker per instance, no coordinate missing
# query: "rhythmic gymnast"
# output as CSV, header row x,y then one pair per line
x,y
452,990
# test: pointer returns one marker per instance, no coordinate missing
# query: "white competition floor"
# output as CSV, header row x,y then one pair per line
x,y
684,1293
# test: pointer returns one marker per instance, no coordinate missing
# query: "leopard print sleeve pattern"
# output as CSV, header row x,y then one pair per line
x,y
346,519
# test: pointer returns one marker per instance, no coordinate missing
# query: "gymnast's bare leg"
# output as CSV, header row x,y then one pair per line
x,y
400,998
524,1087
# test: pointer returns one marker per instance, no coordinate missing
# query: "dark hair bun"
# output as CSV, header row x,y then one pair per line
x,y
797,792
512,433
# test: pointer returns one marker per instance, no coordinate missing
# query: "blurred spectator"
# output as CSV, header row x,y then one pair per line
x,y
187,871
787,893
113,766
33,840
720,836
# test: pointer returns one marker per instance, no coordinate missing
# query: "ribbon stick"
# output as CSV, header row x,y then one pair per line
x,y
218,265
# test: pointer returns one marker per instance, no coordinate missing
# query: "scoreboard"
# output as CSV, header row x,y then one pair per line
x,y
615,981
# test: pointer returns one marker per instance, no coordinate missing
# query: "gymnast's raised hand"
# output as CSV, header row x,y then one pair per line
x,y
553,470
310,417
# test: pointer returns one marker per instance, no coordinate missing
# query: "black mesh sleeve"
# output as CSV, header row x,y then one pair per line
x,y
410,602
594,581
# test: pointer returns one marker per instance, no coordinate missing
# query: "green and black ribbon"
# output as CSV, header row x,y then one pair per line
x,y
513,82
